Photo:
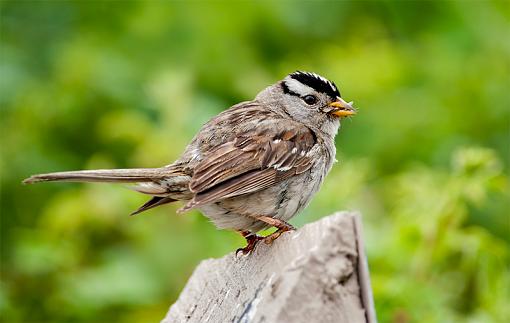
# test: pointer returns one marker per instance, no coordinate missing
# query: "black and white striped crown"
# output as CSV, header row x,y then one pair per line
x,y
316,82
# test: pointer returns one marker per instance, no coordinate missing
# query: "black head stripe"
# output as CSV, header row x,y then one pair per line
x,y
316,82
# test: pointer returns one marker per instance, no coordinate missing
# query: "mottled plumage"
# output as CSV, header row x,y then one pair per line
x,y
252,166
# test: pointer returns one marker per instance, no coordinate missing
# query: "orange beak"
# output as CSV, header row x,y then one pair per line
x,y
340,108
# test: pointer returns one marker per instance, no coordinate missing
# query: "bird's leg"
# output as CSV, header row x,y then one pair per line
x,y
281,225
251,241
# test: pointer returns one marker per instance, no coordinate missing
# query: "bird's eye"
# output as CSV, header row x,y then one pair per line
x,y
310,99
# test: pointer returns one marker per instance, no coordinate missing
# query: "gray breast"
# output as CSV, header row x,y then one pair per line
x,y
282,201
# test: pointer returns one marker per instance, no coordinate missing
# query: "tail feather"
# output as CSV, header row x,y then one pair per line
x,y
147,180
103,175
155,201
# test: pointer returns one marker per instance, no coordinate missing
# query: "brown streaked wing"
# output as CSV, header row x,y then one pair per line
x,y
268,154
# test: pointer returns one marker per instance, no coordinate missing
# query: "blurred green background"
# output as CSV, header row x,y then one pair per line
x,y
127,84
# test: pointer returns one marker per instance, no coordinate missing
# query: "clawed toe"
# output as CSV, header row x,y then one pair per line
x,y
244,251
252,241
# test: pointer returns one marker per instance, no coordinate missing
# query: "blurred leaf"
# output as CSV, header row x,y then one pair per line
x,y
128,84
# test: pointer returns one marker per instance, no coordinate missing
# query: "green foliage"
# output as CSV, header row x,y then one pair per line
x,y
127,84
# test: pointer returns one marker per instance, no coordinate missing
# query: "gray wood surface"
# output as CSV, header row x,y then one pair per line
x,y
318,273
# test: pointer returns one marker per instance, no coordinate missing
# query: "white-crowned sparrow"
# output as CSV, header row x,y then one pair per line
x,y
253,166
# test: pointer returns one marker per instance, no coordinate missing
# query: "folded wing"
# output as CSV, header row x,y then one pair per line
x,y
252,161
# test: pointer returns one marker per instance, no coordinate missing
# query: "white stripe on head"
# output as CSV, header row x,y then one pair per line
x,y
322,78
316,82
298,87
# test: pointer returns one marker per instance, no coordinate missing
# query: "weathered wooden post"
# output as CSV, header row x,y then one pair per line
x,y
318,273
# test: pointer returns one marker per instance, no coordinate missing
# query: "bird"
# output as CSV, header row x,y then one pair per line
x,y
253,166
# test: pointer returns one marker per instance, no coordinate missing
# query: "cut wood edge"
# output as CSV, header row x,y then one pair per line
x,y
320,272
367,297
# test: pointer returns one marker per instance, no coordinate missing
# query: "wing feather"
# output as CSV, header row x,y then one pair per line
x,y
253,160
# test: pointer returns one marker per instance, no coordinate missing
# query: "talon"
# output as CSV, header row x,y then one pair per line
x,y
251,240
243,250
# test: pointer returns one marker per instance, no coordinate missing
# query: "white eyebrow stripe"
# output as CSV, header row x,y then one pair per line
x,y
319,78
298,87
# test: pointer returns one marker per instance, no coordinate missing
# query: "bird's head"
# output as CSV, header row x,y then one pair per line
x,y
309,98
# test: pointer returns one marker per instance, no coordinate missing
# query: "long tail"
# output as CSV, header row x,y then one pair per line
x,y
147,181
103,175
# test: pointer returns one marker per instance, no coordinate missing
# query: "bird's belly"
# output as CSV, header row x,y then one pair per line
x,y
281,201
